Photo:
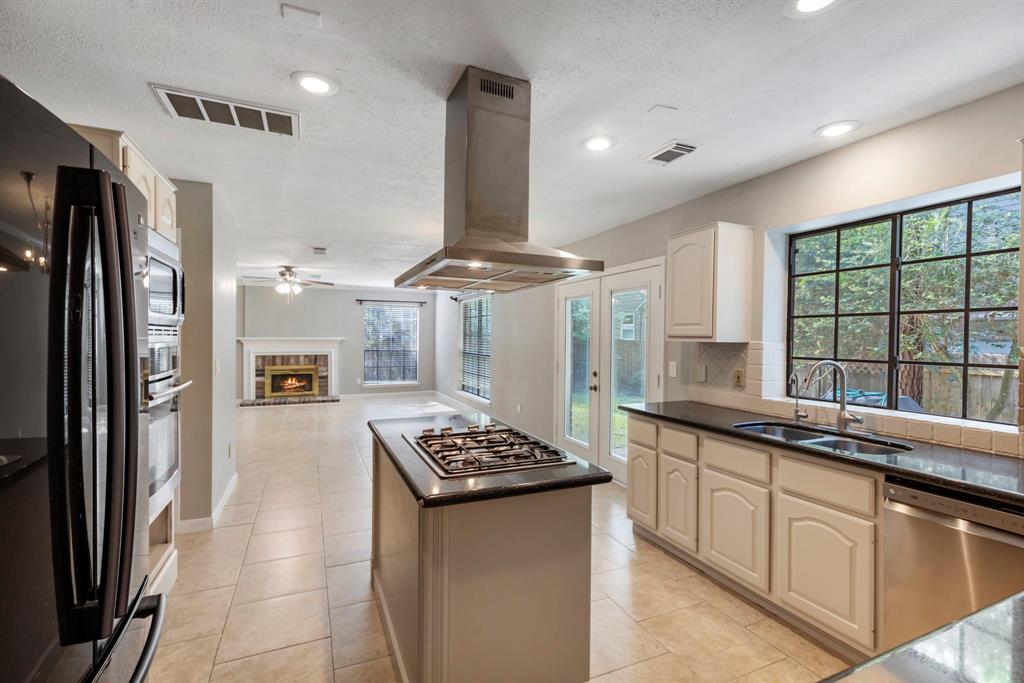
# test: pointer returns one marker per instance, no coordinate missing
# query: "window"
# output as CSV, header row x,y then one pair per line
x,y
920,306
390,343
476,346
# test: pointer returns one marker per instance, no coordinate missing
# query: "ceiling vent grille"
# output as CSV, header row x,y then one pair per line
x,y
498,88
319,251
184,104
669,152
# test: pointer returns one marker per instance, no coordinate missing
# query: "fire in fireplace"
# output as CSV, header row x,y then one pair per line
x,y
291,380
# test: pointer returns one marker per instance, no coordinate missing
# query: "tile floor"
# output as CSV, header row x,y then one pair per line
x,y
280,589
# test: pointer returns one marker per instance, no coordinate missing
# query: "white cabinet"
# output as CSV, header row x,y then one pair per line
x,y
826,566
677,501
709,282
166,219
642,492
734,528
144,176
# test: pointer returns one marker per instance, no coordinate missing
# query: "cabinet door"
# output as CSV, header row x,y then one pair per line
x,y
734,527
166,210
691,284
144,176
826,567
677,501
642,486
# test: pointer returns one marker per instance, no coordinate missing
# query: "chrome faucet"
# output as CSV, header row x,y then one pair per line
x,y
794,381
844,418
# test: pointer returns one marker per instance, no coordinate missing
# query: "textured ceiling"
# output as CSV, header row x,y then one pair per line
x,y
749,85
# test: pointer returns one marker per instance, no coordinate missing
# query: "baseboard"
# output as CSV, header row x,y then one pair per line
x,y
166,575
191,526
228,490
389,630
384,393
463,403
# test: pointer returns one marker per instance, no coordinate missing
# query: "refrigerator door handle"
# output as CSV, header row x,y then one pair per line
x,y
131,398
151,606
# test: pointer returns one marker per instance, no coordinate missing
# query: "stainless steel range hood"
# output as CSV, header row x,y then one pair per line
x,y
486,196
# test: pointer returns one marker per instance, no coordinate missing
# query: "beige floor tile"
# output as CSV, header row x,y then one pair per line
x,y
257,627
305,663
606,554
653,556
644,592
596,593
347,521
616,640
222,540
717,648
347,548
621,529
236,515
667,668
188,661
199,572
735,607
357,634
784,671
275,578
797,647
269,521
378,671
340,484
281,544
349,583
279,499
347,500
196,615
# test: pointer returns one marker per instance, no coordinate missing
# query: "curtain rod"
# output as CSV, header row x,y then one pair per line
x,y
390,301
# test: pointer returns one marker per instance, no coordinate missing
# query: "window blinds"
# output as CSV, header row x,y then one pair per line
x,y
390,343
476,346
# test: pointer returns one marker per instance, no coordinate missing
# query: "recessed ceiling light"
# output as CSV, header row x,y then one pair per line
x,y
599,143
808,6
836,129
315,83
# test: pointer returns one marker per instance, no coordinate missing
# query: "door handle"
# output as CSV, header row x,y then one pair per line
x,y
176,389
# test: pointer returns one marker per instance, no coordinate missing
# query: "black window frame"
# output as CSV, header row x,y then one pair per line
x,y
475,346
895,265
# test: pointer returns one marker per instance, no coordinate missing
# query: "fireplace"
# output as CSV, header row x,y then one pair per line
x,y
291,380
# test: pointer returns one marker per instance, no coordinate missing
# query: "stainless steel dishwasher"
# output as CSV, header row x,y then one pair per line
x,y
945,557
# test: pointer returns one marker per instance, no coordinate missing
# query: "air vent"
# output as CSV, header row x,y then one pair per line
x,y
493,87
669,152
184,104
319,251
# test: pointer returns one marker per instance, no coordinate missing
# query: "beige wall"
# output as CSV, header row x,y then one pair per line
x,y
973,143
207,349
336,313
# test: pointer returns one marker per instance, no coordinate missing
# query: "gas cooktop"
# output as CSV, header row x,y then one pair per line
x,y
482,449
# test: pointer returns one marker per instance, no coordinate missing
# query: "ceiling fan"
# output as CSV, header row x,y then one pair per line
x,y
288,281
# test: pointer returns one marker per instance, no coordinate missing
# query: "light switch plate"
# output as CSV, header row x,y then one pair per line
x,y
673,369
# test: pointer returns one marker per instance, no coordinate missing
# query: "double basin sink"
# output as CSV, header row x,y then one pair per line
x,y
827,440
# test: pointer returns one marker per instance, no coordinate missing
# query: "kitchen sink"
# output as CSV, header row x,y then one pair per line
x,y
779,431
857,446
822,438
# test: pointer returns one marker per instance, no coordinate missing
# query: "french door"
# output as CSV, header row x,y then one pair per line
x,y
610,345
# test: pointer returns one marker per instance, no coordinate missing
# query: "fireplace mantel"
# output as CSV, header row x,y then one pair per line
x,y
256,346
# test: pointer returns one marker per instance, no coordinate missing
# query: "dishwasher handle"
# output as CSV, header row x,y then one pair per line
x,y
953,513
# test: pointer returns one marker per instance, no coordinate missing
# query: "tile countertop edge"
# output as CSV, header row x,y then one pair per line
x,y
415,471
980,464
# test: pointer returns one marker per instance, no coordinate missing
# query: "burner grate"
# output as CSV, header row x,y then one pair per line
x,y
490,448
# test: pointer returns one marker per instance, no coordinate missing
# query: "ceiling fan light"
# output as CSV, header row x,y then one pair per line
x,y
296,288
282,288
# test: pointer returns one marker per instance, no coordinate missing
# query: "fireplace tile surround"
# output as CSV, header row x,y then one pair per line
x,y
260,353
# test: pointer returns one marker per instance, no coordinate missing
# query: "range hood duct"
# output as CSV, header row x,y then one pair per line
x,y
487,196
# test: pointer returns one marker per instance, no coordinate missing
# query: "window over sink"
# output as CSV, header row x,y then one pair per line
x,y
475,354
920,306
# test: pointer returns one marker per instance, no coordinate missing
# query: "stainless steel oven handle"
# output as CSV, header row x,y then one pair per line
x,y
176,389
955,523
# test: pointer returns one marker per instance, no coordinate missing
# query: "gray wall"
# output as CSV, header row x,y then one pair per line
x,y
207,349
964,145
335,313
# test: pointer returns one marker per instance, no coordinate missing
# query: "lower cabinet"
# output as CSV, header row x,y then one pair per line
x,y
677,501
734,527
642,492
826,566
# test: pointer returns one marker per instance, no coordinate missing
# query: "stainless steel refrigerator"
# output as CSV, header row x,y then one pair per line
x,y
74,540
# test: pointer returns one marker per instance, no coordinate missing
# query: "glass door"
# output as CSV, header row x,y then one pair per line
x,y
579,321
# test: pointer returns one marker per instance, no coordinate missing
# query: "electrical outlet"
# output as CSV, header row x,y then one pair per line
x,y
216,366
229,451
739,377
702,373
519,407
673,369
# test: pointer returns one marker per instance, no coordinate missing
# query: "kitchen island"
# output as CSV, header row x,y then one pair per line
x,y
481,576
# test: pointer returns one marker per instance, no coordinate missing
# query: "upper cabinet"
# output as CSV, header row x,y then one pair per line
x,y
161,208
709,282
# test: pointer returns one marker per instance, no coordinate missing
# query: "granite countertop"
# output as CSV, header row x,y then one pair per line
x,y
431,490
985,646
995,477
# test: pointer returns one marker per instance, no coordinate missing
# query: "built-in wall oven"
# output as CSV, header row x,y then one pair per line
x,y
163,380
